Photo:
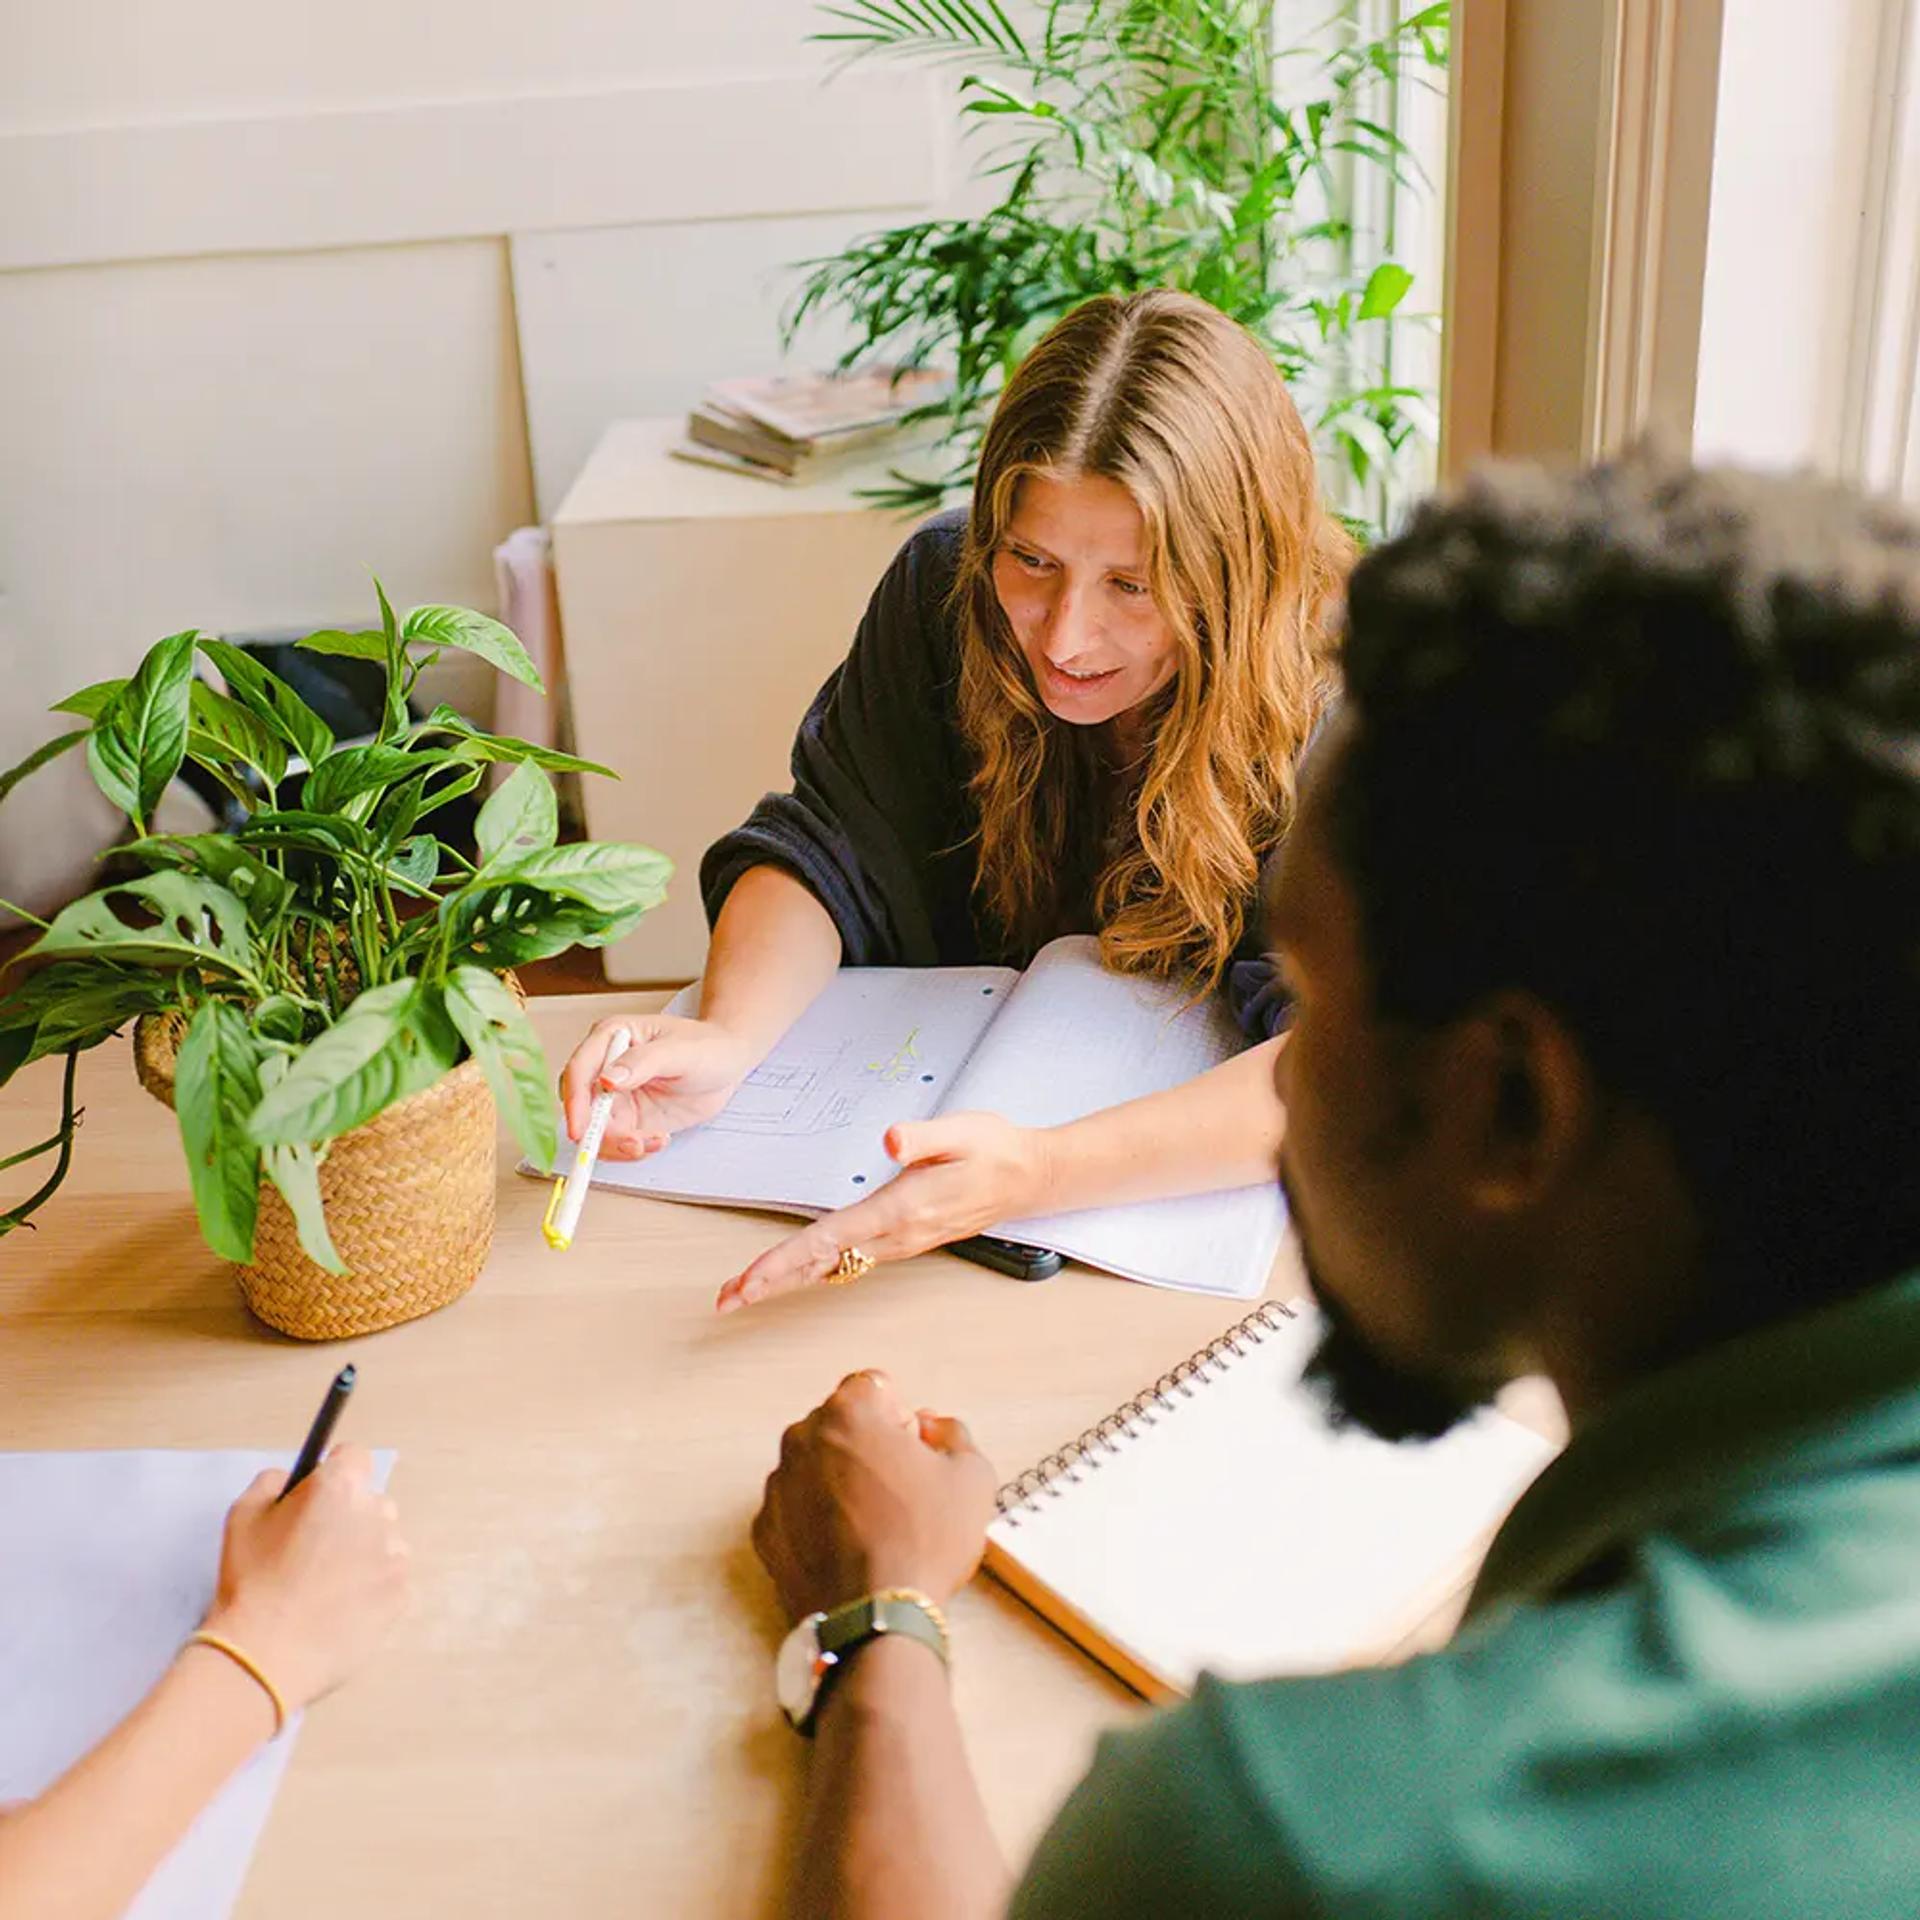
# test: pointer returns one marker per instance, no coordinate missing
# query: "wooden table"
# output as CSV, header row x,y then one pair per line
x,y
577,1717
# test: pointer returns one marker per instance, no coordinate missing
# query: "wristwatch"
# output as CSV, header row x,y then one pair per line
x,y
818,1649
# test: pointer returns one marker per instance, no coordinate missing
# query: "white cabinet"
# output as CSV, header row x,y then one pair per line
x,y
701,611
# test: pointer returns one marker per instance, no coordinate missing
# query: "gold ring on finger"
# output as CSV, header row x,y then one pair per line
x,y
849,1267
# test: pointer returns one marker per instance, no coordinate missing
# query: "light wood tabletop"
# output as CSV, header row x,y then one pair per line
x,y
577,1717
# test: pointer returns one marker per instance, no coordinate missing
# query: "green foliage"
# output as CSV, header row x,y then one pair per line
x,y
497,1033
164,919
139,737
329,958
216,1087
1139,143
40,757
521,818
391,1042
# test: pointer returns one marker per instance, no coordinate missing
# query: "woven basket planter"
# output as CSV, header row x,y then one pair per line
x,y
408,1197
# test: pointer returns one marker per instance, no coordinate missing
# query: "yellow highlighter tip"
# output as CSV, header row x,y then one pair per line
x,y
557,1240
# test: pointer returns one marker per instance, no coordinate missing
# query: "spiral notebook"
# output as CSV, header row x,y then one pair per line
x,y
1218,1522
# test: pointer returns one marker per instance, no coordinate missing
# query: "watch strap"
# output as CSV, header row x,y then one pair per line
x,y
892,1610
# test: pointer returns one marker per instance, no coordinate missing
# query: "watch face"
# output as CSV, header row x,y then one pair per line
x,y
796,1671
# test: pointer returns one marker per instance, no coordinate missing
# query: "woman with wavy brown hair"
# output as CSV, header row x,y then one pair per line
x,y
1074,707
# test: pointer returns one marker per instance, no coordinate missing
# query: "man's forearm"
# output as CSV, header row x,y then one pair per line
x,y
895,1825
774,947
1221,1129
93,1839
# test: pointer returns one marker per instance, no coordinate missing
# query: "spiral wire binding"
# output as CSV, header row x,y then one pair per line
x,y
1145,1409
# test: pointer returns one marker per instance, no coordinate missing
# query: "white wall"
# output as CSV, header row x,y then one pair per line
x,y
1783,241
258,325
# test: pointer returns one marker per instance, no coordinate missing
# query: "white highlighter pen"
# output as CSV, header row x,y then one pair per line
x,y
570,1190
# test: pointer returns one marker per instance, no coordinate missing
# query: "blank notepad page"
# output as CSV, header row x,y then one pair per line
x,y
1222,1524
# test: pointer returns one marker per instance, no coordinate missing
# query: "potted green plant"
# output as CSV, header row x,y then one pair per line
x,y
1142,143
324,994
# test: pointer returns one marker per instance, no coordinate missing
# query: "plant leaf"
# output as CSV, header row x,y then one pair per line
x,y
295,1171
510,925
84,1020
604,875
394,726
296,826
348,772
1386,287
196,923
39,758
521,817
218,857
394,818
74,1004
345,646
16,1049
265,694
140,738
472,632
90,702
216,1085
416,862
475,745
495,1026
392,1041
223,731
279,1017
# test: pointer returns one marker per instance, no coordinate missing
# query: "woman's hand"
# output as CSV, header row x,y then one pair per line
x,y
310,1586
961,1174
674,1074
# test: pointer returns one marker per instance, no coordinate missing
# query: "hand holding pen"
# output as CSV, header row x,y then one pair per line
x,y
310,1584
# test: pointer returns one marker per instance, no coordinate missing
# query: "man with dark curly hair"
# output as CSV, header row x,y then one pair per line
x,y
1602,915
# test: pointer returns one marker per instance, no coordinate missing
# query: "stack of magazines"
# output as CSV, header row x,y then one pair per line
x,y
794,427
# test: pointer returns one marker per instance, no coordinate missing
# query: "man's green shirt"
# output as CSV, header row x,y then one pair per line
x,y
1689,1687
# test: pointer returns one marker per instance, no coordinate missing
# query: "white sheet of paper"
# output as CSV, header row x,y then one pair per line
x,y
1234,1530
1074,1038
107,1562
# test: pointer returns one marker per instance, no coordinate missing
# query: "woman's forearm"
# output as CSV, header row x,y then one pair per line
x,y
1221,1129
774,947
86,1846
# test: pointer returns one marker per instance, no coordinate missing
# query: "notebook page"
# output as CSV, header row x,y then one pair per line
x,y
803,1133
110,1563
1235,1531
1074,1038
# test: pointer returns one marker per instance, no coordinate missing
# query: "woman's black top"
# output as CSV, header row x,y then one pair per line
x,y
879,825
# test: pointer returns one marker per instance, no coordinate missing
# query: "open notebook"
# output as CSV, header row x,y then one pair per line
x,y
1218,1522
883,1044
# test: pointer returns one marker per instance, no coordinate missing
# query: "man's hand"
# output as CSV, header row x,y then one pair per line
x,y
869,1494
961,1174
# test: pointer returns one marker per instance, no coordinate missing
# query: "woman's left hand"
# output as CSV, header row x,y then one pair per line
x,y
961,1174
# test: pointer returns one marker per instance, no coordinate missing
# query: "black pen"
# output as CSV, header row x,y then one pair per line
x,y
322,1429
